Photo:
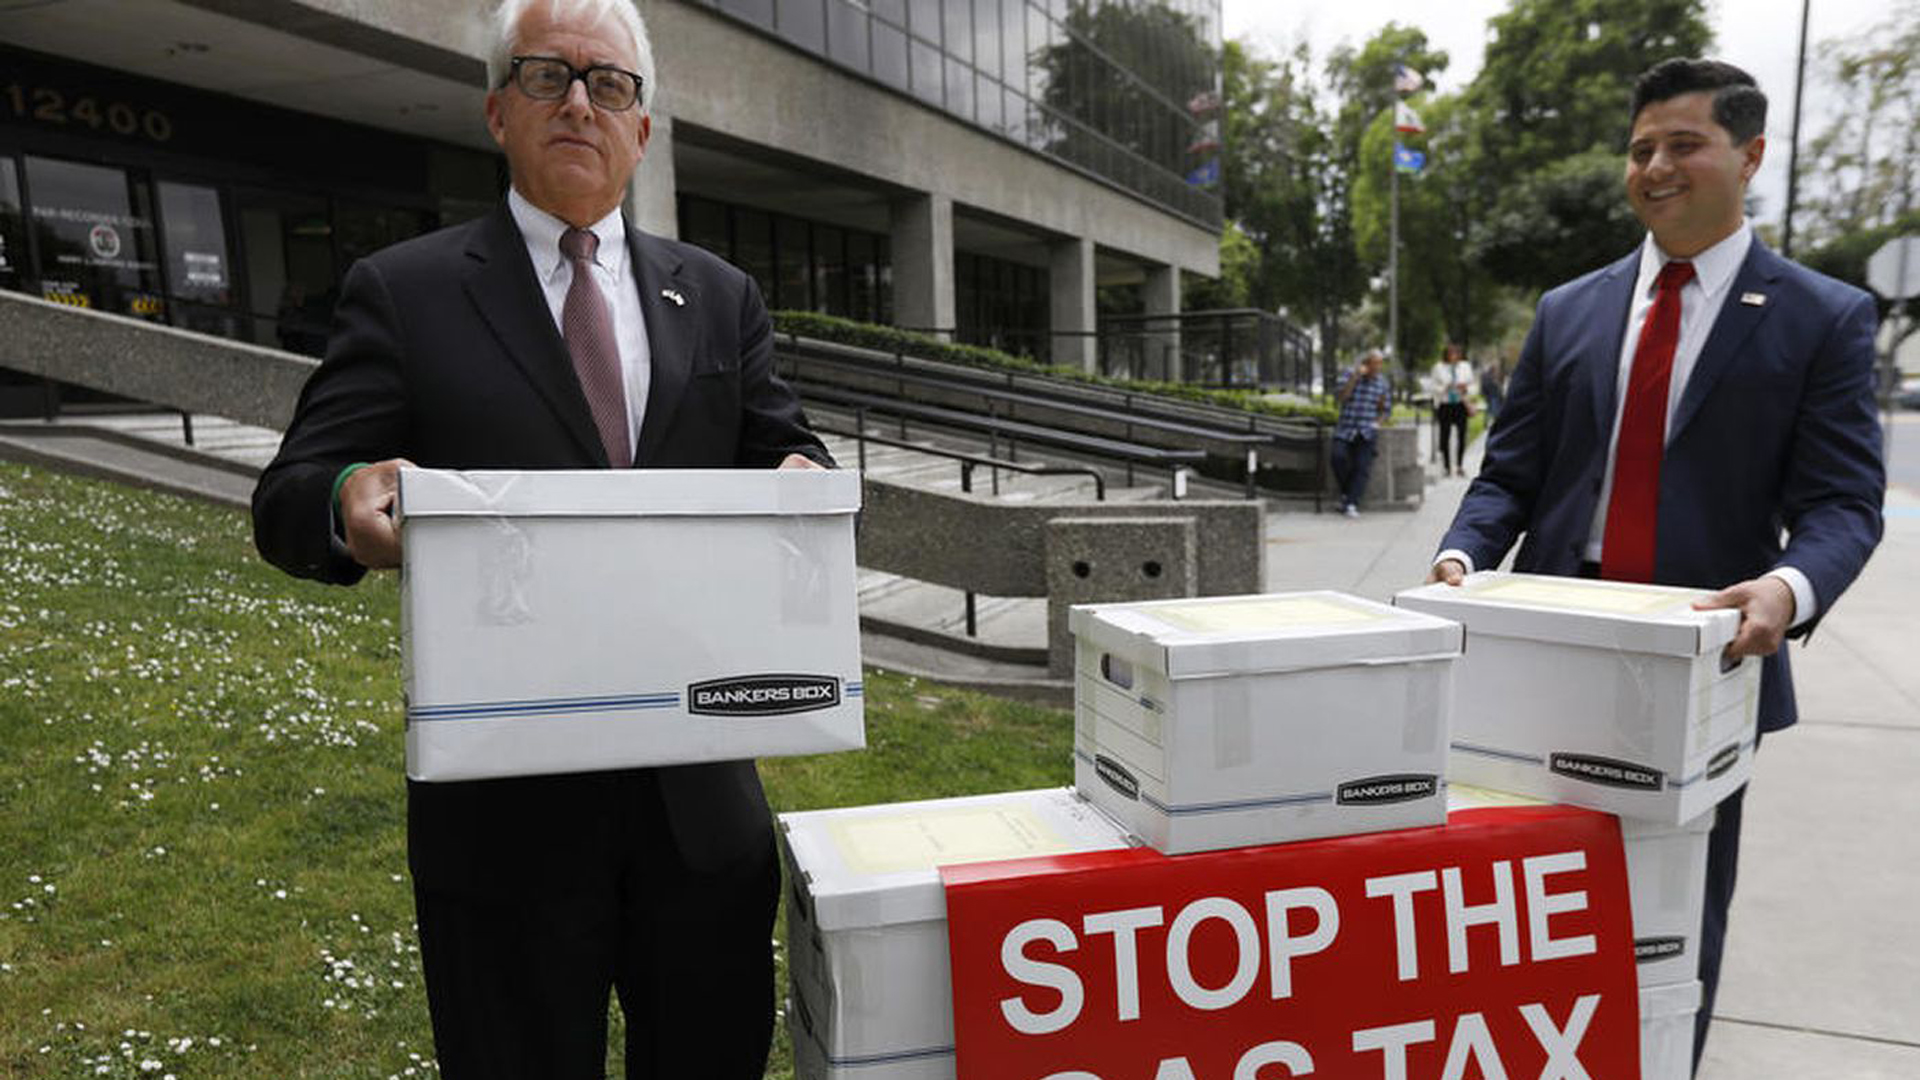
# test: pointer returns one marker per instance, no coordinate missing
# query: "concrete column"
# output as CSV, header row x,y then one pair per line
x,y
1162,295
1073,310
651,203
922,227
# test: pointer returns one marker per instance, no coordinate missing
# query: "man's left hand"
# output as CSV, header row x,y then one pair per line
x,y
799,461
1766,611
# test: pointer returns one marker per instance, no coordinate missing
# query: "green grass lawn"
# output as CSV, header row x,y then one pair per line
x,y
202,846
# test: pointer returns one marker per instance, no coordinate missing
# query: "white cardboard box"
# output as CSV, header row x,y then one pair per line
x,y
1597,693
1231,721
867,918
1666,1030
558,622
1666,882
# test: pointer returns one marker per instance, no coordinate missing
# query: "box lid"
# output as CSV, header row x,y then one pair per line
x,y
1269,632
877,865
1655,619
1468,797
626,492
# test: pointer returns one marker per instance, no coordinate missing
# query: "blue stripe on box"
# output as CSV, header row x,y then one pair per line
x,y
1495,752
484,710
890,1058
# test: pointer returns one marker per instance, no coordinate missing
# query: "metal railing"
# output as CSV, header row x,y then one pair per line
x,y
968,463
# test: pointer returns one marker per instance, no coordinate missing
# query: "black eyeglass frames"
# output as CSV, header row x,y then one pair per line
x,y
548,78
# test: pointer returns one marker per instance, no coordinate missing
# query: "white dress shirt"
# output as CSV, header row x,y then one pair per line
x,y
1700,302
612,266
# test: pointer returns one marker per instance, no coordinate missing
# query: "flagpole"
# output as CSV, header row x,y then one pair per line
x,y
1393,263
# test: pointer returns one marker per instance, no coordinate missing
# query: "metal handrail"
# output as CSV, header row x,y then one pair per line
x,y
968,462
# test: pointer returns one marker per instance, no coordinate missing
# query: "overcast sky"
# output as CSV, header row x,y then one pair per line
x,y
1761,36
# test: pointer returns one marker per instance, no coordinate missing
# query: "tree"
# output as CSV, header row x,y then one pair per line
x,y
1861,169
1549,129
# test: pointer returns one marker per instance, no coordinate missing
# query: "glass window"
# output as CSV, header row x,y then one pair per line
x,y
1014,117
987,94
13,229
94,226
986,36
894,11
847,34
753,247
199,268
829,270
924,19
959,89
288,241
889,55
803,23
863,278
926,72
793,284
758,12
959,28
1013,41
703,223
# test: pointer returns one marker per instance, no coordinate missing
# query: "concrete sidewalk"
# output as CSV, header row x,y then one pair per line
x,y
1822,978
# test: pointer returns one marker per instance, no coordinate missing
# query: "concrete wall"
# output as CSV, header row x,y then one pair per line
x,y
979,543
176,368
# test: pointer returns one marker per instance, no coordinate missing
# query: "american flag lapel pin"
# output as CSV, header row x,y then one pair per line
x,y
681,301
1753,299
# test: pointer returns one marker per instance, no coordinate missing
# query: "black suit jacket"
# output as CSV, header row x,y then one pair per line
x,y
443,351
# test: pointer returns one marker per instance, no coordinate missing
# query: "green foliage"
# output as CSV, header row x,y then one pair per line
x,y
202,826
1860,170
1549,106
1559,221
1239,280
922,346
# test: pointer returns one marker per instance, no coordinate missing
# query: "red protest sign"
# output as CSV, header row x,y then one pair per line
x,y
1499,945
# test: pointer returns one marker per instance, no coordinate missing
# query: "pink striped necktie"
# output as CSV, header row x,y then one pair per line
x,y
587,326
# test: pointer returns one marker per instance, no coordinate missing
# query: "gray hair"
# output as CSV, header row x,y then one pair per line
x,y
506,27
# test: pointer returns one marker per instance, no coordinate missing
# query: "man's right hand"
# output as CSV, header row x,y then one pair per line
x,y
366,514
1451,571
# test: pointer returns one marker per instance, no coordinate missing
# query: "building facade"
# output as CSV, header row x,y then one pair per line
x,y
972,167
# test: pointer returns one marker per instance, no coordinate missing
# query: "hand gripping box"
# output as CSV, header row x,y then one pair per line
x,y
1231,721
1666,883
1597,693
871,993
557,622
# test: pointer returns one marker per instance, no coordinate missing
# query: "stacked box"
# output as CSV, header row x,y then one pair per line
x,y
867,919
1597,693
568,621
1230,721
1666,880
1666,1030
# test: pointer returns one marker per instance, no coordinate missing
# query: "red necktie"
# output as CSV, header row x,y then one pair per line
x,y
587,326
1626,549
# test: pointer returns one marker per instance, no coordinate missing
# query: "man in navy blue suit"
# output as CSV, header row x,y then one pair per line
x,y
1674,414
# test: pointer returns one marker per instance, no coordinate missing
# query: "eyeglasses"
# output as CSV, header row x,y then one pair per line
x,y
549,78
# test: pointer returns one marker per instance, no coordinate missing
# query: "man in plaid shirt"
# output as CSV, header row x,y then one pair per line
x,y
1365,398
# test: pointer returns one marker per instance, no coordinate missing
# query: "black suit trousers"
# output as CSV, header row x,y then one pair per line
x,y
518,983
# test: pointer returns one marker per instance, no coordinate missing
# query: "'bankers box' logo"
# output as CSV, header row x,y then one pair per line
x,y
763,695
1612,773
1116,776
1403,787
1722,761
1648,949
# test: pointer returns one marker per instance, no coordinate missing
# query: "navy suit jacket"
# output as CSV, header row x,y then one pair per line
x,y
1776,432
444,351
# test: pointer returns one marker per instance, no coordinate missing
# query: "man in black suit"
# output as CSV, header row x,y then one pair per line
x,y
551,335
